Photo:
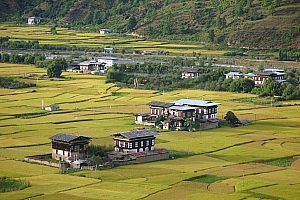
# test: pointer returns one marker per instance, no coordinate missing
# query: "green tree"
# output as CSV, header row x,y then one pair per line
x,y
53,30
278,3
53,71
211,35
271,88
231,118
131,23
55,68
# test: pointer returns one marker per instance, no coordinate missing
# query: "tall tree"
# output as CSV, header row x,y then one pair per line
x,y
131,23
231,118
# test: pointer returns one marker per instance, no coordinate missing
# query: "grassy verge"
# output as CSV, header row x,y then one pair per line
x,y
280,162
9,184
206,178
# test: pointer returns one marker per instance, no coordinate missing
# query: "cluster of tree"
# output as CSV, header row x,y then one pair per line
x,y
231,118
12,83
273,88
22,59
289,55
98,154
167,77
54,67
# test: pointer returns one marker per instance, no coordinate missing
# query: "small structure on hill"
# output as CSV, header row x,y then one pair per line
x,y
33,20
108,50
69,147
105,31
234,75
191,73
52,107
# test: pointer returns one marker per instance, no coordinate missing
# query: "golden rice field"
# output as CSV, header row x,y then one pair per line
x,y
88,108
69,37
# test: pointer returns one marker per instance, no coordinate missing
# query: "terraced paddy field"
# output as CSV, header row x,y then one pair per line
x,y
260,161
67,37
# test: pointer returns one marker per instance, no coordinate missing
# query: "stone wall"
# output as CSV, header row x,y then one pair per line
x,y
42,159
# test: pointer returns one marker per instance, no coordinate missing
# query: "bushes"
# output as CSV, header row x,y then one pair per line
x,y
289,55
22,59
11,83
231,118
167,77
9,184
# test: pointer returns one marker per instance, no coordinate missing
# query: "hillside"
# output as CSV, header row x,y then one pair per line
x,y
242,23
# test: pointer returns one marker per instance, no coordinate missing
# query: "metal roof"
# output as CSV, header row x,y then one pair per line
x,y
91,63
234,74
192,70
274,70
185,107
160,104
108,58
190,102
137,133
66,137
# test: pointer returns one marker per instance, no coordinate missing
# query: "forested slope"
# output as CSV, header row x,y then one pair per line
x,y
242,23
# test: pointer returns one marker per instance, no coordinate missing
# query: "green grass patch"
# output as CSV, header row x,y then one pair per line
x,y
254,100
263,196
119,94
31,115
179,154
207,178
11,83
280,162
9,184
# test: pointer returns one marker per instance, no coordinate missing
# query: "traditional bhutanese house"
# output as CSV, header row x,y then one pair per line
x,y
135,141
182,111
73,67
174,123
145,119
33,20
159,108
109,61
203,109
68,147
234,75
190,73
260,77
88,66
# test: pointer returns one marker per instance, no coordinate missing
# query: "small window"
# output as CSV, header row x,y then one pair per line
x,y
136,144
